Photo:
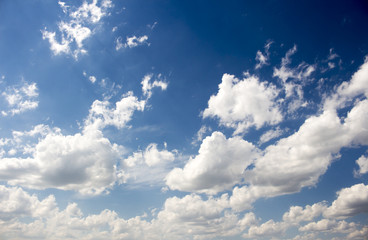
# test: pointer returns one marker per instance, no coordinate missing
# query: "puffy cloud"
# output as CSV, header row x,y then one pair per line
x,y
189,217
363,165
330,226
21,99
131,42
269,228
82,162
298,214
80,27
15,203
147,86
300,159
219,165
101,115
241,104
350,201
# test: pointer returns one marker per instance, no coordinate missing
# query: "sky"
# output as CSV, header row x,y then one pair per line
x,y
130,119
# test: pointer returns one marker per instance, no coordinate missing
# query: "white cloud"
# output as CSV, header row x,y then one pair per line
x,y
302,71
271,134
269,228
300,159
148,167
350,201
363,165
147,86
131,42
101,115
219,165
297,214
189,217
92,79
241,104
79,27
82,162
15,203
200,134
327,225
21,99
262,58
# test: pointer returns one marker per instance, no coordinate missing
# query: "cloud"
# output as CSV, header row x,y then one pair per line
x,y
79,27
363,165
102,115
219,165
147,86
271,134
350,201
131,42
262,58
200,134
148,167
302,71
21,99
16,203
241,104
330,226
269,228
299,160
23,142
297,214
82,162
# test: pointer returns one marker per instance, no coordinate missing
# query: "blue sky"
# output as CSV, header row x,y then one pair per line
x,y
183,119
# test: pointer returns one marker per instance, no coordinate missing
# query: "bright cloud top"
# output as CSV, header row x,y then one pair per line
x,y
79,27
241,104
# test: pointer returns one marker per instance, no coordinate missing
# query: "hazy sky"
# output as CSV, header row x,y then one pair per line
x,y
183,119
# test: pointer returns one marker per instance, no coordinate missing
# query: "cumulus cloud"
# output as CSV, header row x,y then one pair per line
x,y
241,104
363,165
16,203
82,162
350,201
299,160
327,225
297,214
185,218
267,229
102,115
131,42
219,165
20,99
79,27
